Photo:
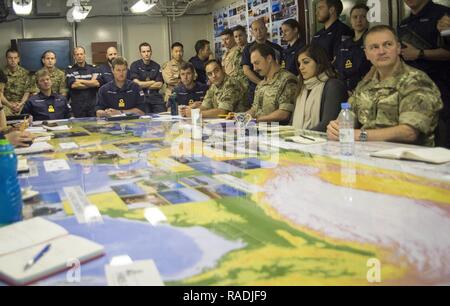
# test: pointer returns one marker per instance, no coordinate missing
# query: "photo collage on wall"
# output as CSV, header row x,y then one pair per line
x,y
244,12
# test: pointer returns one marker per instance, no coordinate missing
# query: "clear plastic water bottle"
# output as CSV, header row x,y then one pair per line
x,y
10,193
173,104
346,130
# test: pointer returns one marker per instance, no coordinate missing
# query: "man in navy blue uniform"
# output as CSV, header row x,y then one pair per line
x,y
105,71
46,105
420,40
259,32
120,96
334,31
83,84
351,62
189,92
147,74
291,35
203,51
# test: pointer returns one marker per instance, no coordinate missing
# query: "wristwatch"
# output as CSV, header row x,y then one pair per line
x,y
421,54
363,135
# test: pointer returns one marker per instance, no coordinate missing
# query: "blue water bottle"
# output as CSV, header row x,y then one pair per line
x,y
173,104
10,195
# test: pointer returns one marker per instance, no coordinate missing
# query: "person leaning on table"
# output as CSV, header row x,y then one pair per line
x,y
394,102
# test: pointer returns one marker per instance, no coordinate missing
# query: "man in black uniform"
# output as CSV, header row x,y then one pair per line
x,y
46,105
351,62
120,96
189,92
105,71
259,32
147,74
334,32
420,40
83,84
203,51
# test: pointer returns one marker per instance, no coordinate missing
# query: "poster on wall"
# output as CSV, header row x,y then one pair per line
x,y
227,18
244,12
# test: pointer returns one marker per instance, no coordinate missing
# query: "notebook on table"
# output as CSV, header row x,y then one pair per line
x,y
428,155
21,241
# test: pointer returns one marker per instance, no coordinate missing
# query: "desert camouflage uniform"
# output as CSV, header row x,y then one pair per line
x,y
280,93
171,76
231,63
410,97
230,96
18,84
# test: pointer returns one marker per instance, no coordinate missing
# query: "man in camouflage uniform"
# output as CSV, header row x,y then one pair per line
x,y
57,76
171,69
275,95
394,102
224,96
17,89
232,58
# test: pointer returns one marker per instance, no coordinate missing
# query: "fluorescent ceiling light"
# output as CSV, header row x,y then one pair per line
x,y
142,6
23,7
78,12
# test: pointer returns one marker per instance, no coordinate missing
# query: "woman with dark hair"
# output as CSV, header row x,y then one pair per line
x,y
321,92
291,34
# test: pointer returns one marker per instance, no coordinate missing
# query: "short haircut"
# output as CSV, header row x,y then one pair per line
x,y
380,28
177,44
79,47
201,44
263,49
212,61
259,20
119,61
240,28
12,50
319,55
41,73
187,66
359,6
228,32
47,52
337,4
144,44
293,24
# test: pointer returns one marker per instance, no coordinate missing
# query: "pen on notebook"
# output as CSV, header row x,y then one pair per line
x,y
38,256
306,137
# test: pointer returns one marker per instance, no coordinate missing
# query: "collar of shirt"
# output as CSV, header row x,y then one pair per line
x,y
126,86
372,75
19,70
271,81
424,11
42,96
144,65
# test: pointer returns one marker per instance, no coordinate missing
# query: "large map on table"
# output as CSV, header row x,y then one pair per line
x,y
246,212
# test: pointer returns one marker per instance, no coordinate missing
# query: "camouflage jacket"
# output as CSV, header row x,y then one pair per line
x,y
409,97
230,96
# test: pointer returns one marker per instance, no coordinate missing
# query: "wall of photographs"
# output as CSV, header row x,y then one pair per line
x,y
244,12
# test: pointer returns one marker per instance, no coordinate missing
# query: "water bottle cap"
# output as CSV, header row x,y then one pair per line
x,y
345,105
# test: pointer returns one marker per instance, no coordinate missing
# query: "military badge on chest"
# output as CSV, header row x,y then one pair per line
x,y
121,103
51,109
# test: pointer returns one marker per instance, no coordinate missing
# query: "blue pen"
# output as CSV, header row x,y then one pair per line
x,y
38,256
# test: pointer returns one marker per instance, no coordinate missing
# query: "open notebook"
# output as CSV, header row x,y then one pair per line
x,y
21,241
428,155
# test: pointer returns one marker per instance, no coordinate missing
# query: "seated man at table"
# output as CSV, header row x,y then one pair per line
x,y
189,92
276,94
120,96
394,102
225,95
46,105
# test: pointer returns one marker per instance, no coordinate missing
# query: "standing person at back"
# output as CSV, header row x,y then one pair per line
x,y
105,70
171,69
334,31
83,84
240,36
420,48
203,51
18,87
231,61
351,62
57,76
291,35
147,74
259,31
